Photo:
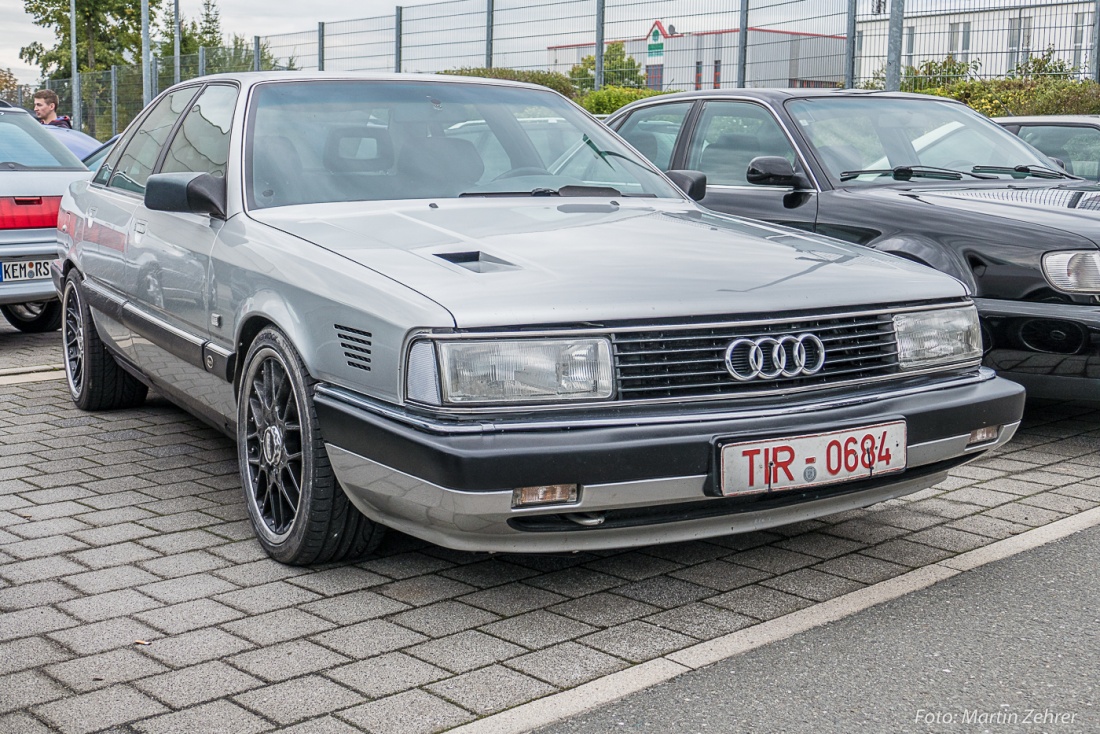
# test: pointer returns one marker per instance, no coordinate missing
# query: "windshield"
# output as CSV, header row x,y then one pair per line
x,y
880,134
419,139
24,145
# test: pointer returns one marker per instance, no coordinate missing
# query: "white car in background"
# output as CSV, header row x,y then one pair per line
x,y
35,170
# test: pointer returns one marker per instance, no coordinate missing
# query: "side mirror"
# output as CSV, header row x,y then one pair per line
x,y
692,183
770,170
192,193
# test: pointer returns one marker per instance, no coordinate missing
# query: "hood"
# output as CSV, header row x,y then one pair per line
x,y
500,262
1071,207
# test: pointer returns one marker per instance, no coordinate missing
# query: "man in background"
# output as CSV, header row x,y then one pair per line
x,y
45,109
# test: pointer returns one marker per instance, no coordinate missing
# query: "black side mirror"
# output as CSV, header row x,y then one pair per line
x,y
692,183
194,193
770,170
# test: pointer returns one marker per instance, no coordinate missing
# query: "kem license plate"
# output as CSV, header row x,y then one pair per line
x,y
26,270
797,462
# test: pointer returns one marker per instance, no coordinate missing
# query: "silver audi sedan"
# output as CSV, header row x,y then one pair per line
x,y
466,310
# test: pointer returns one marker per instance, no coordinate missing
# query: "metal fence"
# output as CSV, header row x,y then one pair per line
x,y
668,45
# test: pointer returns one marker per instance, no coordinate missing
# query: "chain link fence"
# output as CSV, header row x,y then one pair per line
x,y
659,44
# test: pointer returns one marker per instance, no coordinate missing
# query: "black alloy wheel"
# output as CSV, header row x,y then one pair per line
x,y
35,317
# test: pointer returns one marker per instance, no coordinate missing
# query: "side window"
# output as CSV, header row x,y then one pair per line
x,y
202,142
104,173
729,135
653,131
140,155
1077,147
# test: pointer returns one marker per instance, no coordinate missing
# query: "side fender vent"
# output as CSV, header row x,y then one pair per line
x,y
356,345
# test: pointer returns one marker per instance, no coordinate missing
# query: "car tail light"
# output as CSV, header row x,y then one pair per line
x,y
28,212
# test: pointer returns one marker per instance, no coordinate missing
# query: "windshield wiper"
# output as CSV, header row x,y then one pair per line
x,y
904,173
569,190
1027,170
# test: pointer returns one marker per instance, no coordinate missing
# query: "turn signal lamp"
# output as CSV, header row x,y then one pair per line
x,y
546,494
984,435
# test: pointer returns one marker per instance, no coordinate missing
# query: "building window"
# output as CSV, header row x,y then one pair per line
x,y
698,74
910,37
959,41
1080,23
655,76
717,73
1019,40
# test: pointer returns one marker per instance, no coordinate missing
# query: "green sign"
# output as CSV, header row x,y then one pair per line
x,y
656,44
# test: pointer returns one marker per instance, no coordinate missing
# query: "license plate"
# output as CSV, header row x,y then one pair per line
x,y
25,270
751,467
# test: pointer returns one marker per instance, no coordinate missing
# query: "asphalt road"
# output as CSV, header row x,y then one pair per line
x,y
1009,647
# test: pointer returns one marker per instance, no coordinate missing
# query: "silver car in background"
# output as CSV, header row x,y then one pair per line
x,y
35,170
466,310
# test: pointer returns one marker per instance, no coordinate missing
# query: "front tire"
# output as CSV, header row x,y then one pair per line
x,y
33,318
298,510
96,381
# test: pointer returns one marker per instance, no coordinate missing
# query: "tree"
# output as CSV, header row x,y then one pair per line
x,y
108,32
204,32
9,86
619,69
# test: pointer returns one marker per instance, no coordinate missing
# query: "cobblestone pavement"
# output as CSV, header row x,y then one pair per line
x,y
133,597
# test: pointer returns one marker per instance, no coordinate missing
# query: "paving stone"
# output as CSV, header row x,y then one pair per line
x,y
101,709
188,540
387,674
117,516
859,567
33,621
188,615
109,579
406,565
664,591
34,595
424,590
259,572
267,597
720,575
512,599
465,651
444,618
574,582
865,531
342,580
811,584
950,539
633,566
1058,503
411,712
604,610
195,647
197,684
100,607
490,689
29,652
217,716
39,547
39,569
114,555
355,607
21,723
700,620
298,699
366,639
55,526
821,545
322,725
288,660
759,602
91,672
97,637
541,628
186,588
567,665
28,688
908,553
637,641
278,626
773,559
1089,492
184,564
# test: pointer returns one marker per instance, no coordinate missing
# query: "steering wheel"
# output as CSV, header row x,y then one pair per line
x,y
523,171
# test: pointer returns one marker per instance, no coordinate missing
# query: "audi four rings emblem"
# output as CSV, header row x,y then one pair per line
x,y
770,357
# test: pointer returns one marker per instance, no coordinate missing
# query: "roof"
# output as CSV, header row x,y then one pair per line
x,y
779,94
248,78
1063,119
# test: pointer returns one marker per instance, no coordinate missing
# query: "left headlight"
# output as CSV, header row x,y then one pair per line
x,y
496,371
929,338
1073,271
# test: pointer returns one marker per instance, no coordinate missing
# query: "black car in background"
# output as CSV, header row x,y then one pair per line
x,y
1074,140
921,177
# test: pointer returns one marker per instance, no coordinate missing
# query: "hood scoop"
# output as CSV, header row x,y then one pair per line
x,y
477,262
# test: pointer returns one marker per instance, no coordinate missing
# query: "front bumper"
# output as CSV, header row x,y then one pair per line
x,y
649,479
1052,349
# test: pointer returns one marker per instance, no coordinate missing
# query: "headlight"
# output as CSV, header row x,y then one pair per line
x,y
927,338
1073,272
518,371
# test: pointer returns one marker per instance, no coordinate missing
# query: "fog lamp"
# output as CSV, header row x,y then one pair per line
x,y
984,435
545,494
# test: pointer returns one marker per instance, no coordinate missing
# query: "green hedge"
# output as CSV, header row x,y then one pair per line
x,y
607,100
1026,96
552,79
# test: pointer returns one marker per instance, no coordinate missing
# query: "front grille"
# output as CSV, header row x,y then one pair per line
x,y
683,362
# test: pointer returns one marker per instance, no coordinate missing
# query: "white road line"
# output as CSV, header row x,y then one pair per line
x,y
602,691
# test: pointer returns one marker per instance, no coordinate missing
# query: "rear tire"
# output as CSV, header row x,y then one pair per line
x,y
298,510
35,317
96,381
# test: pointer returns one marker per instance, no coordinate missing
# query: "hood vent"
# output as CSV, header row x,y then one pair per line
x,y
356,345
478,262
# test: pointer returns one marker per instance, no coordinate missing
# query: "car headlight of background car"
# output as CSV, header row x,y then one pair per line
x,y
1073,271
502,371
941,336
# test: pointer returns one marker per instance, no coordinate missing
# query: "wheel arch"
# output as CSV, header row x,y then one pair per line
x,y
931,253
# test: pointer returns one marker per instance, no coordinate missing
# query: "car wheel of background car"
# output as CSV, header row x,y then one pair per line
x,y
33,318
298,509
96,381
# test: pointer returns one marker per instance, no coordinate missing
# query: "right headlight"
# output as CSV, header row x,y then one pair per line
x,y
942,336
1073,271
